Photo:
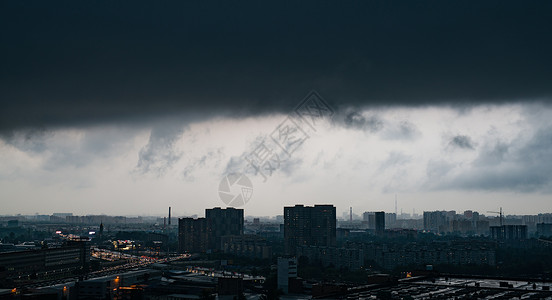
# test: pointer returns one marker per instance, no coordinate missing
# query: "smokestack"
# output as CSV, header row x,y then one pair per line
x,y
351,214
169,216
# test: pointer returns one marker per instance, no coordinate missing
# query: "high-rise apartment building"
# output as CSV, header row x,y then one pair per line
x,y
509,232
222,222
202,234
376,220
192,235
436,221
380,223
309,226
390,220
369,219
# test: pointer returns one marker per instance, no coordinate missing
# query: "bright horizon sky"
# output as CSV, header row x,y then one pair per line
x,y
128,108
433,158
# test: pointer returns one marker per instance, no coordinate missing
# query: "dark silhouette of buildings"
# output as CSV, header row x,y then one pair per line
x,y
192,235
436,221
202,234
309,226
221,222
252,246
380,223
544,229
378,220
230,286
509,232
71,258
390,255
340,258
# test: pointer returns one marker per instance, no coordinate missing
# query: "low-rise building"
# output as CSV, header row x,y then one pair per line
x,y
341,258
70,257
252,246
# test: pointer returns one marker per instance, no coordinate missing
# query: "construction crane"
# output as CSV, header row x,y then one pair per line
x,y
500,214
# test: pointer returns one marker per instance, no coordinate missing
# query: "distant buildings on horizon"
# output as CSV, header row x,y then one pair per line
x,y
467,223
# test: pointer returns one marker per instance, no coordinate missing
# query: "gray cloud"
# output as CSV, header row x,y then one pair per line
x,y
355,120
514,166
236,164
191,166
79,63
60,149
291,165
358,121
159,154
396,169
436,170
403,130
493,154
395,160
283,163
239,164
462,142
30,140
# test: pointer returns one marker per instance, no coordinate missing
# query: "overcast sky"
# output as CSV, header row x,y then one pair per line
x,y
126,108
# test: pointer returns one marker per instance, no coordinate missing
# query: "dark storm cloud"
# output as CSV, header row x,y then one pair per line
x,y
31,140
80,62
462,142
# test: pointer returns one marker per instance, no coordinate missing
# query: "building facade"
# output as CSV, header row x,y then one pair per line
x,y
392,255
248,245
287,272
309,226
205,234
72,257
380,223
192,235
222,222
341,258
435,221
509,232
544,229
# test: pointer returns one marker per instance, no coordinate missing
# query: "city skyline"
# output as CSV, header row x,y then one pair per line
x,y
342,216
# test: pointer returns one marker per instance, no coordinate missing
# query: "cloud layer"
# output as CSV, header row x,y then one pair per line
x,y
79,63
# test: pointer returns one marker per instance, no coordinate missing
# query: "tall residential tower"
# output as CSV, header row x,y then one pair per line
x,y
309,226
